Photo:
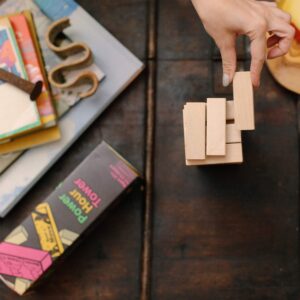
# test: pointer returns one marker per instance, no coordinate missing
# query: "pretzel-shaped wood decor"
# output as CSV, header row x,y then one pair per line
x,y
71,63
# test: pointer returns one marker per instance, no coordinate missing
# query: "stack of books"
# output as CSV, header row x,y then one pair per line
x,y
24,123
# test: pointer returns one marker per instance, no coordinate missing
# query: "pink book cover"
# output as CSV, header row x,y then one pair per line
x,y
32,65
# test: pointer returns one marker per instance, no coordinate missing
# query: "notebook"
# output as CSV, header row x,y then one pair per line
x,y
29,51
120,67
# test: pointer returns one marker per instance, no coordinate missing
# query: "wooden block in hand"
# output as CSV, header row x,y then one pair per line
x,y
234,155
194,117
233,135
216,127
243,101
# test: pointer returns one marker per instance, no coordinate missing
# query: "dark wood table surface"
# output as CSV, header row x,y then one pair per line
x,y
215,233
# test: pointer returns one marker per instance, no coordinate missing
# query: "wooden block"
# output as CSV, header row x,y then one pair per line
x,y
229,110
68,237
18,236
22,285
243,101
216,126
194,114
233,135
234,155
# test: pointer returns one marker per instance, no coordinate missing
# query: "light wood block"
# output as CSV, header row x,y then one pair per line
x,y
216,127
234,155
229,110
233,135
243,101
194,116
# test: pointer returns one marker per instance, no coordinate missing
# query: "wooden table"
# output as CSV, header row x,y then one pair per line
x,y
215,233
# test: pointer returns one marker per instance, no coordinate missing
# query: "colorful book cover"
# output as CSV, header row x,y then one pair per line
x,y
18,114
33,67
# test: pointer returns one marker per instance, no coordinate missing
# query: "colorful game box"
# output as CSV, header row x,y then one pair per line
x,y
30,251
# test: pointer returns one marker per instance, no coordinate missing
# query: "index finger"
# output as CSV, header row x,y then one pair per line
x,y
258,55
285,32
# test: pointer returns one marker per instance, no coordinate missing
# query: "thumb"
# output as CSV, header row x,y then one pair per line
x,y
228,53
258,56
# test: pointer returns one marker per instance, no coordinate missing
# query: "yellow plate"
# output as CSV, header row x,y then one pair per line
x,y
285,74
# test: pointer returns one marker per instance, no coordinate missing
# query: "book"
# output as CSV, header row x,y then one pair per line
x,y
7,160
43,136
29,51
46,108
118,64
18,114
34,139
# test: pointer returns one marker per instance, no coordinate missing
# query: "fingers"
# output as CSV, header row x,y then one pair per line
x,y
269,4
258,54
228,53
278,23
272,6
280,49
283,34
272,41
281,15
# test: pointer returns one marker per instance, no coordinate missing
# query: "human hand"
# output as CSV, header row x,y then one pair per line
x,y
224,20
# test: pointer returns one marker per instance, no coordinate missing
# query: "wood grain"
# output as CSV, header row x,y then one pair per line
x,y
243,101
234,155
225,232
229,110
194,117
233,135
219,232
216,127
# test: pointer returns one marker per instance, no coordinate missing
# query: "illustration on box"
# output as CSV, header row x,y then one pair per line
x,y
30,250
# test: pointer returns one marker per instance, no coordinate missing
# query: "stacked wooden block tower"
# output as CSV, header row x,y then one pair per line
x,y
212,130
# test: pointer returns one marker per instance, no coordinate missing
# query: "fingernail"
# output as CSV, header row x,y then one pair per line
x,y
226,80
